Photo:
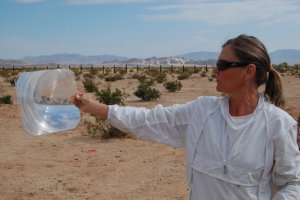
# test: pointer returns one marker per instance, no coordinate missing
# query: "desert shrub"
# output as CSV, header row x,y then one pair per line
x,y
152,72
173,86
188,70
4,73
88,76
135,76
160,78
210,79
10,76
101,76
156,75
102,128
1,88
15,72
6,99
183,76
114,77
94,71
12,80
281,68
140,77
196,70
76,71
177,70
122,71
214,75
108,97
146,92
203,74
90,86
107,70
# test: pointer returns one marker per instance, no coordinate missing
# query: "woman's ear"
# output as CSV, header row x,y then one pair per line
x,y
250,72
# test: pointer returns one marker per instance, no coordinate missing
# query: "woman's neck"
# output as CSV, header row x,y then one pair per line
x,y
243,104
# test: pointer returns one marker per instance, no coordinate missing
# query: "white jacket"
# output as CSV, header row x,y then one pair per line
x,y
182,126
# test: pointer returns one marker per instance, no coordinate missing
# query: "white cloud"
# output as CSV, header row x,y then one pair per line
x,y
106,1
28,1
224,12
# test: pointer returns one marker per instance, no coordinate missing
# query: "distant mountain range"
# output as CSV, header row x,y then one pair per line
x,y
72,59
289,56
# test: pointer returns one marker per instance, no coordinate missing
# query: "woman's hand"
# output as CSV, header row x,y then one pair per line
x,y
87,104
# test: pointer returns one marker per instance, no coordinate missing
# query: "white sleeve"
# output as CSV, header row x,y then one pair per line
x,y
166,125
286,171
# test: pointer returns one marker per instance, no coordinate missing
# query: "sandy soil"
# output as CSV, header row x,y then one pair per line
x,y
73,165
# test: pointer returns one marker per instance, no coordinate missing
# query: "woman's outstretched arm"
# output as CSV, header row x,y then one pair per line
x,y
87,104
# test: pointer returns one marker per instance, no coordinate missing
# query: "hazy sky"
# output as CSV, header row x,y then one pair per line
x,y
142,28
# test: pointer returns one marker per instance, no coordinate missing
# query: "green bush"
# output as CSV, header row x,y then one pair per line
x,y
102,128
77,72
90,86
94,71
173,86
183,76
210,79
101,76
161,77
153,72
6,99
122,71
146,92
88,75
108,97
203,74
5,73
196,70
114,77
140,77
13,81
158,76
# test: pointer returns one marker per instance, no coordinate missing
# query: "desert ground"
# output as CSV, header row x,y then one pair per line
x,y
74,165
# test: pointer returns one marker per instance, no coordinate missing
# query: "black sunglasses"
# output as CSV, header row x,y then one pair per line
x,y
223,64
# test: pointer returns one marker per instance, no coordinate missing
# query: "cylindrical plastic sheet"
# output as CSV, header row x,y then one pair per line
x,y
44,101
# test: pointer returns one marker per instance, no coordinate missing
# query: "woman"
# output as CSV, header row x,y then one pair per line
x,y
236,145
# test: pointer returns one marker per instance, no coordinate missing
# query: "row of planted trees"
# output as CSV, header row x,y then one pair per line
x,y
282,67
114,68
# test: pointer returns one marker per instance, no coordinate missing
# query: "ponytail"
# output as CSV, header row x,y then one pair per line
x,y
274,89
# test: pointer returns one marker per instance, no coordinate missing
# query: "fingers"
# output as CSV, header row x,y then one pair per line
x,y
77,99
87,104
